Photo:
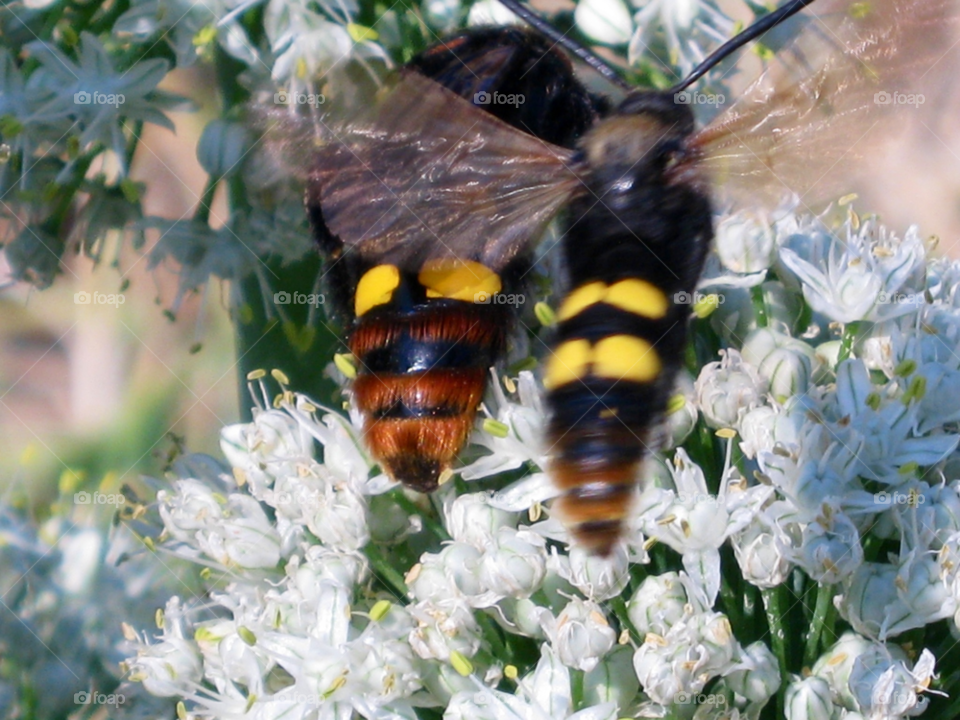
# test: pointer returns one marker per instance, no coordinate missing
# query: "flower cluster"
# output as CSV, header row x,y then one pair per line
x,y
794,549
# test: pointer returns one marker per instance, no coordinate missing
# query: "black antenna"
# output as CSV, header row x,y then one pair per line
x,y
761,26
551,33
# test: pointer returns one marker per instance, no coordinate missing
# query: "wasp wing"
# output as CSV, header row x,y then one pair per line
x,y
422,173
823,102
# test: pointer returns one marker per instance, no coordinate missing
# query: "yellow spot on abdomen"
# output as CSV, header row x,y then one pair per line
x,y
569,362
582,298
618,357
633,295
457,279
639,297
624,357
375,288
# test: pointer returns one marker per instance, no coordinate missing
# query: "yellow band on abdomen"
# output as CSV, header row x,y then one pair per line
x,y
633,295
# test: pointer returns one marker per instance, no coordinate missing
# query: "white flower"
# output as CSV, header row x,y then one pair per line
x,y
696,523
172,666
757,677
808,699
830,548
522,441
444,627
605,21
836,664
515,563
887,688
745,242
659,603
471,519
862,277
728,388
613,680
764,548
693,651
545,694
786,364
598,578
580,634
688,27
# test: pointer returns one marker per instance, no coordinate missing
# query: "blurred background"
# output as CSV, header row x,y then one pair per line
x,y
111,391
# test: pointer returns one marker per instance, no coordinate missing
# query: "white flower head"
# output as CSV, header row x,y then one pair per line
x,y
808,699
745,242
515,563
727,389
171,667
598,578
862,278
580,634
473,520
694,651
659,603
757,677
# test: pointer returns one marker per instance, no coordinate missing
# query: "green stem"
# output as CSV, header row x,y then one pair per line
x,y
202,213
385,571
411,508
773,602
818,623
731,601
759,306
620,611
850,331
491,631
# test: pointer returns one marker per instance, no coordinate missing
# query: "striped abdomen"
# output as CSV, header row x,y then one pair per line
x,y
635,250
423,356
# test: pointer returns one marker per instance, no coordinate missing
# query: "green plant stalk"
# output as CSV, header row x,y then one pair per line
x,y
818,623
759,306
774,605
847,340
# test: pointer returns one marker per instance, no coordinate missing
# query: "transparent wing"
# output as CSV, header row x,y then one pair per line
x,y
828,98
421,173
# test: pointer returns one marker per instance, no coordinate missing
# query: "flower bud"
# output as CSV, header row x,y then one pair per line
x,y
515,565
808,699
745,243
599,578
471,519
784,362
222,147
760,678
728,388
830,548
580,634
657,604
612,680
